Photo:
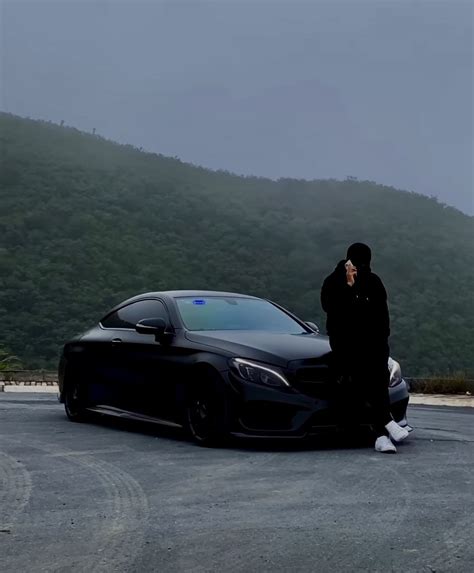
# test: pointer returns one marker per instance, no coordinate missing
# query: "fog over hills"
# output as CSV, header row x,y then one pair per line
x,y
310,89
86,222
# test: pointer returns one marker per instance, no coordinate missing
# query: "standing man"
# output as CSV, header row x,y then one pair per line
x,y
358,325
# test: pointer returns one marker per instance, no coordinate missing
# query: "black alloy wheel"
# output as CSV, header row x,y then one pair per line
x,y
205,413
73,401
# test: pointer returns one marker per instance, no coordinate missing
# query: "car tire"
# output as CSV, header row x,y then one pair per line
x,y
205,415
73,400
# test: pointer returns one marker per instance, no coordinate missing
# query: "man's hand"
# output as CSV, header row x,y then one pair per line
x,y
351,273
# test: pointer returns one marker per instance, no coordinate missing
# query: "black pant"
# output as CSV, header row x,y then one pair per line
x,y
374,386
364,379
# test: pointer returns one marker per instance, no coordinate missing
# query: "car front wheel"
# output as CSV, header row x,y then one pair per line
x,y
205,416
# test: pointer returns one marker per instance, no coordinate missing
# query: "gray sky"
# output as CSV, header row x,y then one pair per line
x,y
380,90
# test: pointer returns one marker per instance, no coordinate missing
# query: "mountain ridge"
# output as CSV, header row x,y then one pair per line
x,y
103,221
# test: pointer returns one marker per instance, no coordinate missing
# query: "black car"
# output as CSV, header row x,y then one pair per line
x,y
215,363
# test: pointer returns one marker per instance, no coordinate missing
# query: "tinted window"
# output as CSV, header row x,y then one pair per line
x,y
232,313
128,316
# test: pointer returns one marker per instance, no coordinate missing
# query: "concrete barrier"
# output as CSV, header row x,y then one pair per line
x,y
28,380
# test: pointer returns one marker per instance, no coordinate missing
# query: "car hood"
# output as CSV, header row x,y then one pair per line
x,y
274,348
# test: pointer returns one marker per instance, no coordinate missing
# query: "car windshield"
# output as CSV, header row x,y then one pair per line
x,y
235,313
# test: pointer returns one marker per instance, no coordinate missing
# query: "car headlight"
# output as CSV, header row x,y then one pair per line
x,y
258,373
395,372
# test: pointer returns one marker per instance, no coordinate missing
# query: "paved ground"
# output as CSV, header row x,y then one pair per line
x,y
108,497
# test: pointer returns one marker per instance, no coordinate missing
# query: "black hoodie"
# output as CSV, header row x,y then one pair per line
x,y
357,316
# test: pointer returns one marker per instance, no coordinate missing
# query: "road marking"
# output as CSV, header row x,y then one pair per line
x,y
88,452
15,490
123,502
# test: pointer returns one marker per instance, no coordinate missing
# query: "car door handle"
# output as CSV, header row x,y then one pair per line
x,y
116,341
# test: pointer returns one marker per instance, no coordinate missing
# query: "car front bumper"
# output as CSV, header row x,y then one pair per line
x,y
266,412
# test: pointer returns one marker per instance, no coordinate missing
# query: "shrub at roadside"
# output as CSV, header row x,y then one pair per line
x,y
8,361
455,384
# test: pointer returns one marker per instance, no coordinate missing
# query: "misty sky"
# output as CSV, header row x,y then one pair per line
x,y
380,90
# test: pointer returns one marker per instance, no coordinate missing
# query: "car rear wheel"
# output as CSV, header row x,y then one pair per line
x,y
74,401
205,416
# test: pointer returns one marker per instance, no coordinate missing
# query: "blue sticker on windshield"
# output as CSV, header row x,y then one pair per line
x,y
199,301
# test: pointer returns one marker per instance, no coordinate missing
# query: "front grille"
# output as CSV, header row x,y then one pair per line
x,y
313,374
313,381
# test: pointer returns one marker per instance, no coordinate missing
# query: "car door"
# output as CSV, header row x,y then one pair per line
x,y
99,367
139,365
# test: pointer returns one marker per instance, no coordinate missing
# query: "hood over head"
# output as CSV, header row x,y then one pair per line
x,y
360,255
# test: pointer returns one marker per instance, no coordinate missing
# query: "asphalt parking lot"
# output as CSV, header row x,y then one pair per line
x,y
121,497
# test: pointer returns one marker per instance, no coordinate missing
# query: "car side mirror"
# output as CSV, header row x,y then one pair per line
x,y
155,326
313,326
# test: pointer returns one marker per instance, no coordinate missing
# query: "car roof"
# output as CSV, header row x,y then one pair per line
x,y
181,293
178,293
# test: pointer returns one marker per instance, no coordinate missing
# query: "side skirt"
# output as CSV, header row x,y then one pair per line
x,y
125,414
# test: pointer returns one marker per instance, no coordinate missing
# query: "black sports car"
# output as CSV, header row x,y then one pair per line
x,y
215,363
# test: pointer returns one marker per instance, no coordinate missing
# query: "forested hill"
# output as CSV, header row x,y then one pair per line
x,y
85,222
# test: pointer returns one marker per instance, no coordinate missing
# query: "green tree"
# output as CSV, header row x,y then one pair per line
x,y
85,223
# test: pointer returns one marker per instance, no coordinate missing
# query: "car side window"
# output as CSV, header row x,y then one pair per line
x,y
128,316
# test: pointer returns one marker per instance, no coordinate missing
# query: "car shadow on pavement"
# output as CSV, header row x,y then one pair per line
x,y
332,440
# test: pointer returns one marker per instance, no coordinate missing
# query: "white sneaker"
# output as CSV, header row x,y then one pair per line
x,y
397,433
384,445
404,424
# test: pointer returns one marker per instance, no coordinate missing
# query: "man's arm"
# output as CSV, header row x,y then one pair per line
x,y
381,307
335,294
326,296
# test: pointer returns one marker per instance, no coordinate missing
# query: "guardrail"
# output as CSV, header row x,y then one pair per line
x,y
28,377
